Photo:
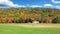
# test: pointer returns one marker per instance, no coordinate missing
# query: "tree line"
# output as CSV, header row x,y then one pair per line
x,y
25,15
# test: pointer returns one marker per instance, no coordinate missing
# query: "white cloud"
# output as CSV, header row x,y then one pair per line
x,y
35,6
55,1
9,3
57,6
48,5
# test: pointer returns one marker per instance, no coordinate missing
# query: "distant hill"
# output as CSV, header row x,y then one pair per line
x,y
34,13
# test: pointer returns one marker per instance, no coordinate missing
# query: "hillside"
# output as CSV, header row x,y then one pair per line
x,y
17,15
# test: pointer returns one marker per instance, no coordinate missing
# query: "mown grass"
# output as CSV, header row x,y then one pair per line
x,y
22,30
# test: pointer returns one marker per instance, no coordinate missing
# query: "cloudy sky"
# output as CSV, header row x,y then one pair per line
x,y
30,3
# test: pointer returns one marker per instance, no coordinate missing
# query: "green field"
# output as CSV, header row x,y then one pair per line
x,y
7,29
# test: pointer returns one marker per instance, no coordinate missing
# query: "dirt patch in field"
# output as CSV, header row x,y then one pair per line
x,y
35,25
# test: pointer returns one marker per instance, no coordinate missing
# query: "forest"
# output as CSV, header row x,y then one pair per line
x,y
25,15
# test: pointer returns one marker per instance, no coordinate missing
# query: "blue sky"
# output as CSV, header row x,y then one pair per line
x,y
30,3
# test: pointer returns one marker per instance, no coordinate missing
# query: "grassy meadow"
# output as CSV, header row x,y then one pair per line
x,y
9,29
